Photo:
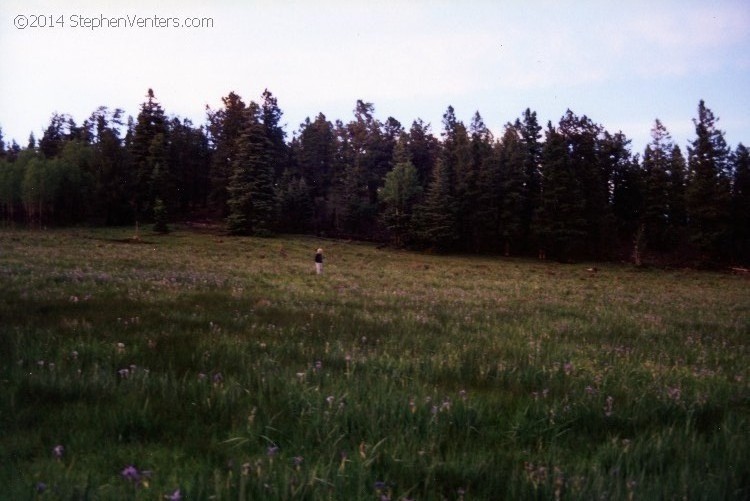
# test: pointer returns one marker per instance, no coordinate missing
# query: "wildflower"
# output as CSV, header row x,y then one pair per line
x,y
40,487
318,365
218,379
74,355
462,395
610,404
120,347
130,473
297,461
272,451
58,451
379,485
124,373
246,469
330,399
175,496
568,368
40,363
674,394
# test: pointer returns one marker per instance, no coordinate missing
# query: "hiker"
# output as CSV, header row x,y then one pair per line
x,y
319,261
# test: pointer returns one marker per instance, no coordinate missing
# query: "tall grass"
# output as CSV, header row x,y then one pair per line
x,y
205,367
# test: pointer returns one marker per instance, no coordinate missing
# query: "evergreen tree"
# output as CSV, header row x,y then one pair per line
x,y
317,147
561,219
189,160
657,163
55,135
252,200
581,136
627,191
147,149
438,217
677,211
423,150
741,204
531,133
708,185
514,190
457,156
490,202
271,117
295,202
112,178
224,127
399,195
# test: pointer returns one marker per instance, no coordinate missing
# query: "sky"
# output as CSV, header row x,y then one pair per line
x,y
622,64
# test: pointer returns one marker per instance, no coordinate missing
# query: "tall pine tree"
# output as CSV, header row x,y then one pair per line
x,y
708,186
252,198
741,204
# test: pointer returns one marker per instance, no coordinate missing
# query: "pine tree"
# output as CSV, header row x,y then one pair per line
x,y
457,156
656,164
224,128
581,135
561,223
530,131
252,199
438,217
295,203
514,184
423,150
147,148
708,186
398,195
677,211
741,204
271,117
315,157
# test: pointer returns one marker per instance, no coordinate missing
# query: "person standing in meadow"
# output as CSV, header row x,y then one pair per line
x,y
319,261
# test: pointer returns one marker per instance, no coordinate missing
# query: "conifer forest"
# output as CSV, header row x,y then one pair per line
x,y
568,190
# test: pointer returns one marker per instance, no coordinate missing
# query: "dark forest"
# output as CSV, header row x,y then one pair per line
x,y
567,191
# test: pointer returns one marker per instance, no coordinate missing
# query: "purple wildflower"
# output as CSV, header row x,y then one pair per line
x,y
40,487
272,451
58,451
130,473
175,496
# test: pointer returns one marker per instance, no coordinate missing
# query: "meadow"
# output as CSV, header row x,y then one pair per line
x,y
199,366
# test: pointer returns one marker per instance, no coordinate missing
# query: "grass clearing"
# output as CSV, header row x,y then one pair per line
x,y
225,368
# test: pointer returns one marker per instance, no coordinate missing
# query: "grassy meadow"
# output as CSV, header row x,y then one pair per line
x,y
199,366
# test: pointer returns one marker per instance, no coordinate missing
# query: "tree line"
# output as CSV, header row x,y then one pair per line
x,y
570,190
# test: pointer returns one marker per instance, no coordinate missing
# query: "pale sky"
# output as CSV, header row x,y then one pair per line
x,y
623,64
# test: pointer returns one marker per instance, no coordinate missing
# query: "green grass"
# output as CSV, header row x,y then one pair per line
x,y
228,370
